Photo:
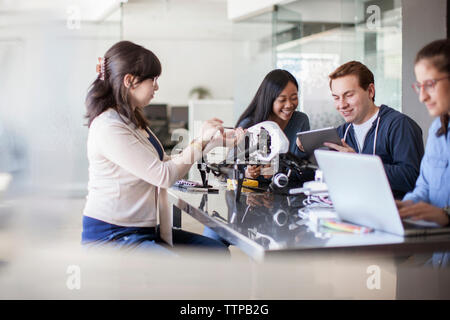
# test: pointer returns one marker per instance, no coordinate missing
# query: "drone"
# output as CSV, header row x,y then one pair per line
x,y
263,143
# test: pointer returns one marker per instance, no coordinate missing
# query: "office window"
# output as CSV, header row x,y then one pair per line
x,y
312,38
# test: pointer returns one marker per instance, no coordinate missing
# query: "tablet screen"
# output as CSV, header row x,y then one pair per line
x,y
315,139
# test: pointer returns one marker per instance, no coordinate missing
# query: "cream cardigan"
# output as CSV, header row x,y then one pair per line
x,y
127,180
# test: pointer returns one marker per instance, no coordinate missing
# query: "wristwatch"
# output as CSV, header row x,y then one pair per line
x,y
447,212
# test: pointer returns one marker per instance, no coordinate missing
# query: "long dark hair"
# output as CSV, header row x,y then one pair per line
x,y
261,106
438,54
123,58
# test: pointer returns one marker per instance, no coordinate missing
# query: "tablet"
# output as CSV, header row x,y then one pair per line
x,y
314,139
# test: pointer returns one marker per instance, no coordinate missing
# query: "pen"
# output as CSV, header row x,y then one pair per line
x,y
346,227
208,190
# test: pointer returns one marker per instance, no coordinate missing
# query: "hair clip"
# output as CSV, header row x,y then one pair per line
x,y
101,68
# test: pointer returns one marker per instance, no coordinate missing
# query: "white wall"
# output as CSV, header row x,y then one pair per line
x,y
47,69
344,11
244,9
252,60
192,39
423,22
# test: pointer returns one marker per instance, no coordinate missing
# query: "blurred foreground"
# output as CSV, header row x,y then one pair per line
x,y
41,258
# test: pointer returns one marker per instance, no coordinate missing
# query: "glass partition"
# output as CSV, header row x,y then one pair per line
x,y
48,57
312,38
252,57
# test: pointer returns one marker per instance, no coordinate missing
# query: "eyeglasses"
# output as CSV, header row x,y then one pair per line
x,y
155,79
427,86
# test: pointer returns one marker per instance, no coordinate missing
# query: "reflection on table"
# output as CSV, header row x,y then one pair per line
x,y
261,223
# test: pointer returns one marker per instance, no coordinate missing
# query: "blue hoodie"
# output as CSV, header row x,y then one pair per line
x,y
399,144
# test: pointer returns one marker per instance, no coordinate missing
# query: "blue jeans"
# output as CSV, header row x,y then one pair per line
x,y
132,239
439,260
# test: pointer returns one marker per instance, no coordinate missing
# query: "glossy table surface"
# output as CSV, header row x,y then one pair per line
x,y
262,223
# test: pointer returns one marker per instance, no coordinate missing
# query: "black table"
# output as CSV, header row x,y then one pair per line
x,y
263,224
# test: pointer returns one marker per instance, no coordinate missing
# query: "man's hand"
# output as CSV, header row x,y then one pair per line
x,y
344,148
423,211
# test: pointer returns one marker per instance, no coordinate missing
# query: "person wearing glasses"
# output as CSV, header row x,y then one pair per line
x,y
430,199
377,130
129,171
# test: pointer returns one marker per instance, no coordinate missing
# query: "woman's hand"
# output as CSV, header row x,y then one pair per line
x,y
252,200
259,200
422,211
233,137
299,145
210,129
227,138
252,171
239,133
267,171
403,204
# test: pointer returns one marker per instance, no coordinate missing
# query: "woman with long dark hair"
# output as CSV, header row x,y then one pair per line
x,y
128,169
430,199
276,100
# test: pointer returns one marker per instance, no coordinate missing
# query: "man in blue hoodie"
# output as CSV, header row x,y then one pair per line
x,y
371,129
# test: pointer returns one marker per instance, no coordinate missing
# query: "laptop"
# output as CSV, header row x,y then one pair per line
x,y
361,194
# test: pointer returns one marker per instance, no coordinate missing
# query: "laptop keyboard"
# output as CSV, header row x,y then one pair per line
x,y
409,223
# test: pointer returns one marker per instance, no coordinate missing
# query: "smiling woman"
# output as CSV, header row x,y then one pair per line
x,y
277,100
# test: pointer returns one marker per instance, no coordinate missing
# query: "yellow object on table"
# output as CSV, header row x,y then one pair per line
x,y
232,183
